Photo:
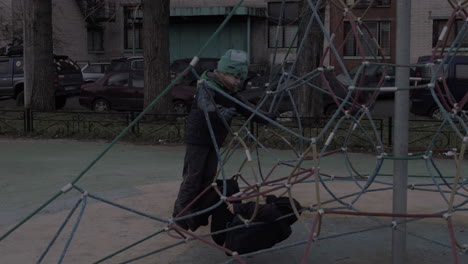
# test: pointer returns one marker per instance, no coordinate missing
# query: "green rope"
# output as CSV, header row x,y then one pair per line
x,y
130,126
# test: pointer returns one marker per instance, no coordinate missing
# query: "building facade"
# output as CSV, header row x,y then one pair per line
x,y
428,17
97,30
379,21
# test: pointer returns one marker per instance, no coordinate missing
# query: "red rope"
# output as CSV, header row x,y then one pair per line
x,y
384,214
453,240
310,239
194,201
232,199
206,241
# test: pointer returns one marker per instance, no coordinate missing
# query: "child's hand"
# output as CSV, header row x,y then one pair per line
x,y
231,208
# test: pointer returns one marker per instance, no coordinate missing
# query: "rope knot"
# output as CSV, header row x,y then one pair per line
x,y
447,215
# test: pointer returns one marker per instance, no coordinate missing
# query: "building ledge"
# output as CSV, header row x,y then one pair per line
x,y
367,57
217,11
95,51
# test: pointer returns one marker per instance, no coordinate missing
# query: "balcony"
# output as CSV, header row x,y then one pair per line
x,y
95,11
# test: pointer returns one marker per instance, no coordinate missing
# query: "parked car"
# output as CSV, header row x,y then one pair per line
x,y
67,78
284,104
184,91
456,78
119,90
126,64
92,71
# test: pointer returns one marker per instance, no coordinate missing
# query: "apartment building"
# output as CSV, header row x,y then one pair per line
x,y
94,30
428,17
379,21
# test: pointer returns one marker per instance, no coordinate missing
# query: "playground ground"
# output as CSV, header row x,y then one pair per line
x,y
146,178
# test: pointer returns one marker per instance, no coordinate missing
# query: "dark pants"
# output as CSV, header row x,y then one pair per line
x,y
200,165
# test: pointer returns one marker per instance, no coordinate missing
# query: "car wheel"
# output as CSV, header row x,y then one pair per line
x,y
60,102
20,99
180,107
101,105
436,113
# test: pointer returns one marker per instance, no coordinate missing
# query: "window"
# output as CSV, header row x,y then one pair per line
x,y
289,24
461,72
119,79
95,39
93,68
133,27
379,29
4,67
138,80
367,3
137,65
437,27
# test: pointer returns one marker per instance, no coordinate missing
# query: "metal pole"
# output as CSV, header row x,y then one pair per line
x,y
248,36
400,167
133,36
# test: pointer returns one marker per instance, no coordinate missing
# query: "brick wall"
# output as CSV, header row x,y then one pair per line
x,y
422,14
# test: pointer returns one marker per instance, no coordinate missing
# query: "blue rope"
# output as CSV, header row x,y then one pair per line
x,y
75,227
59,230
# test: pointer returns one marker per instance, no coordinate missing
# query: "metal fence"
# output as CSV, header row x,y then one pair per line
x,y
158,129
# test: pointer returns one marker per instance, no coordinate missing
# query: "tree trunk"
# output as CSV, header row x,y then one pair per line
x,y
309,99
156,52
39,86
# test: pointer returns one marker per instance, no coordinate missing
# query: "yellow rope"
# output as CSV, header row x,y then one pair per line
x,y
291,201
226,153
458,163
458,166
316,175
349,161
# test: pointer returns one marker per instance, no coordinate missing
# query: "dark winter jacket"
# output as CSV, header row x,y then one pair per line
x,y
261,236
220,216
196,128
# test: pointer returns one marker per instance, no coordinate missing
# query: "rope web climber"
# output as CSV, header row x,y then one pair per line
x,y
304,169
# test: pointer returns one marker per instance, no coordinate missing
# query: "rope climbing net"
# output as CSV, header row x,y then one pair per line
x,y
353,102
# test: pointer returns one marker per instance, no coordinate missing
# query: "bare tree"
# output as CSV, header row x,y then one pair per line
x,y
156,52
39,87
11,23
307,98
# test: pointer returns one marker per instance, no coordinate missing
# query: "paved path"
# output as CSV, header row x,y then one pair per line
x,y
146,178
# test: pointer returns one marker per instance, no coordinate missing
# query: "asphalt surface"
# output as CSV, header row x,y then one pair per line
x,y
146,178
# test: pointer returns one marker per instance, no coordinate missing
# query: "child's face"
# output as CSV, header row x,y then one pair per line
x,y
231,82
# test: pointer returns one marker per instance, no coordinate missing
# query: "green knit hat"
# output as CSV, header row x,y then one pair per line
x,y
234,63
